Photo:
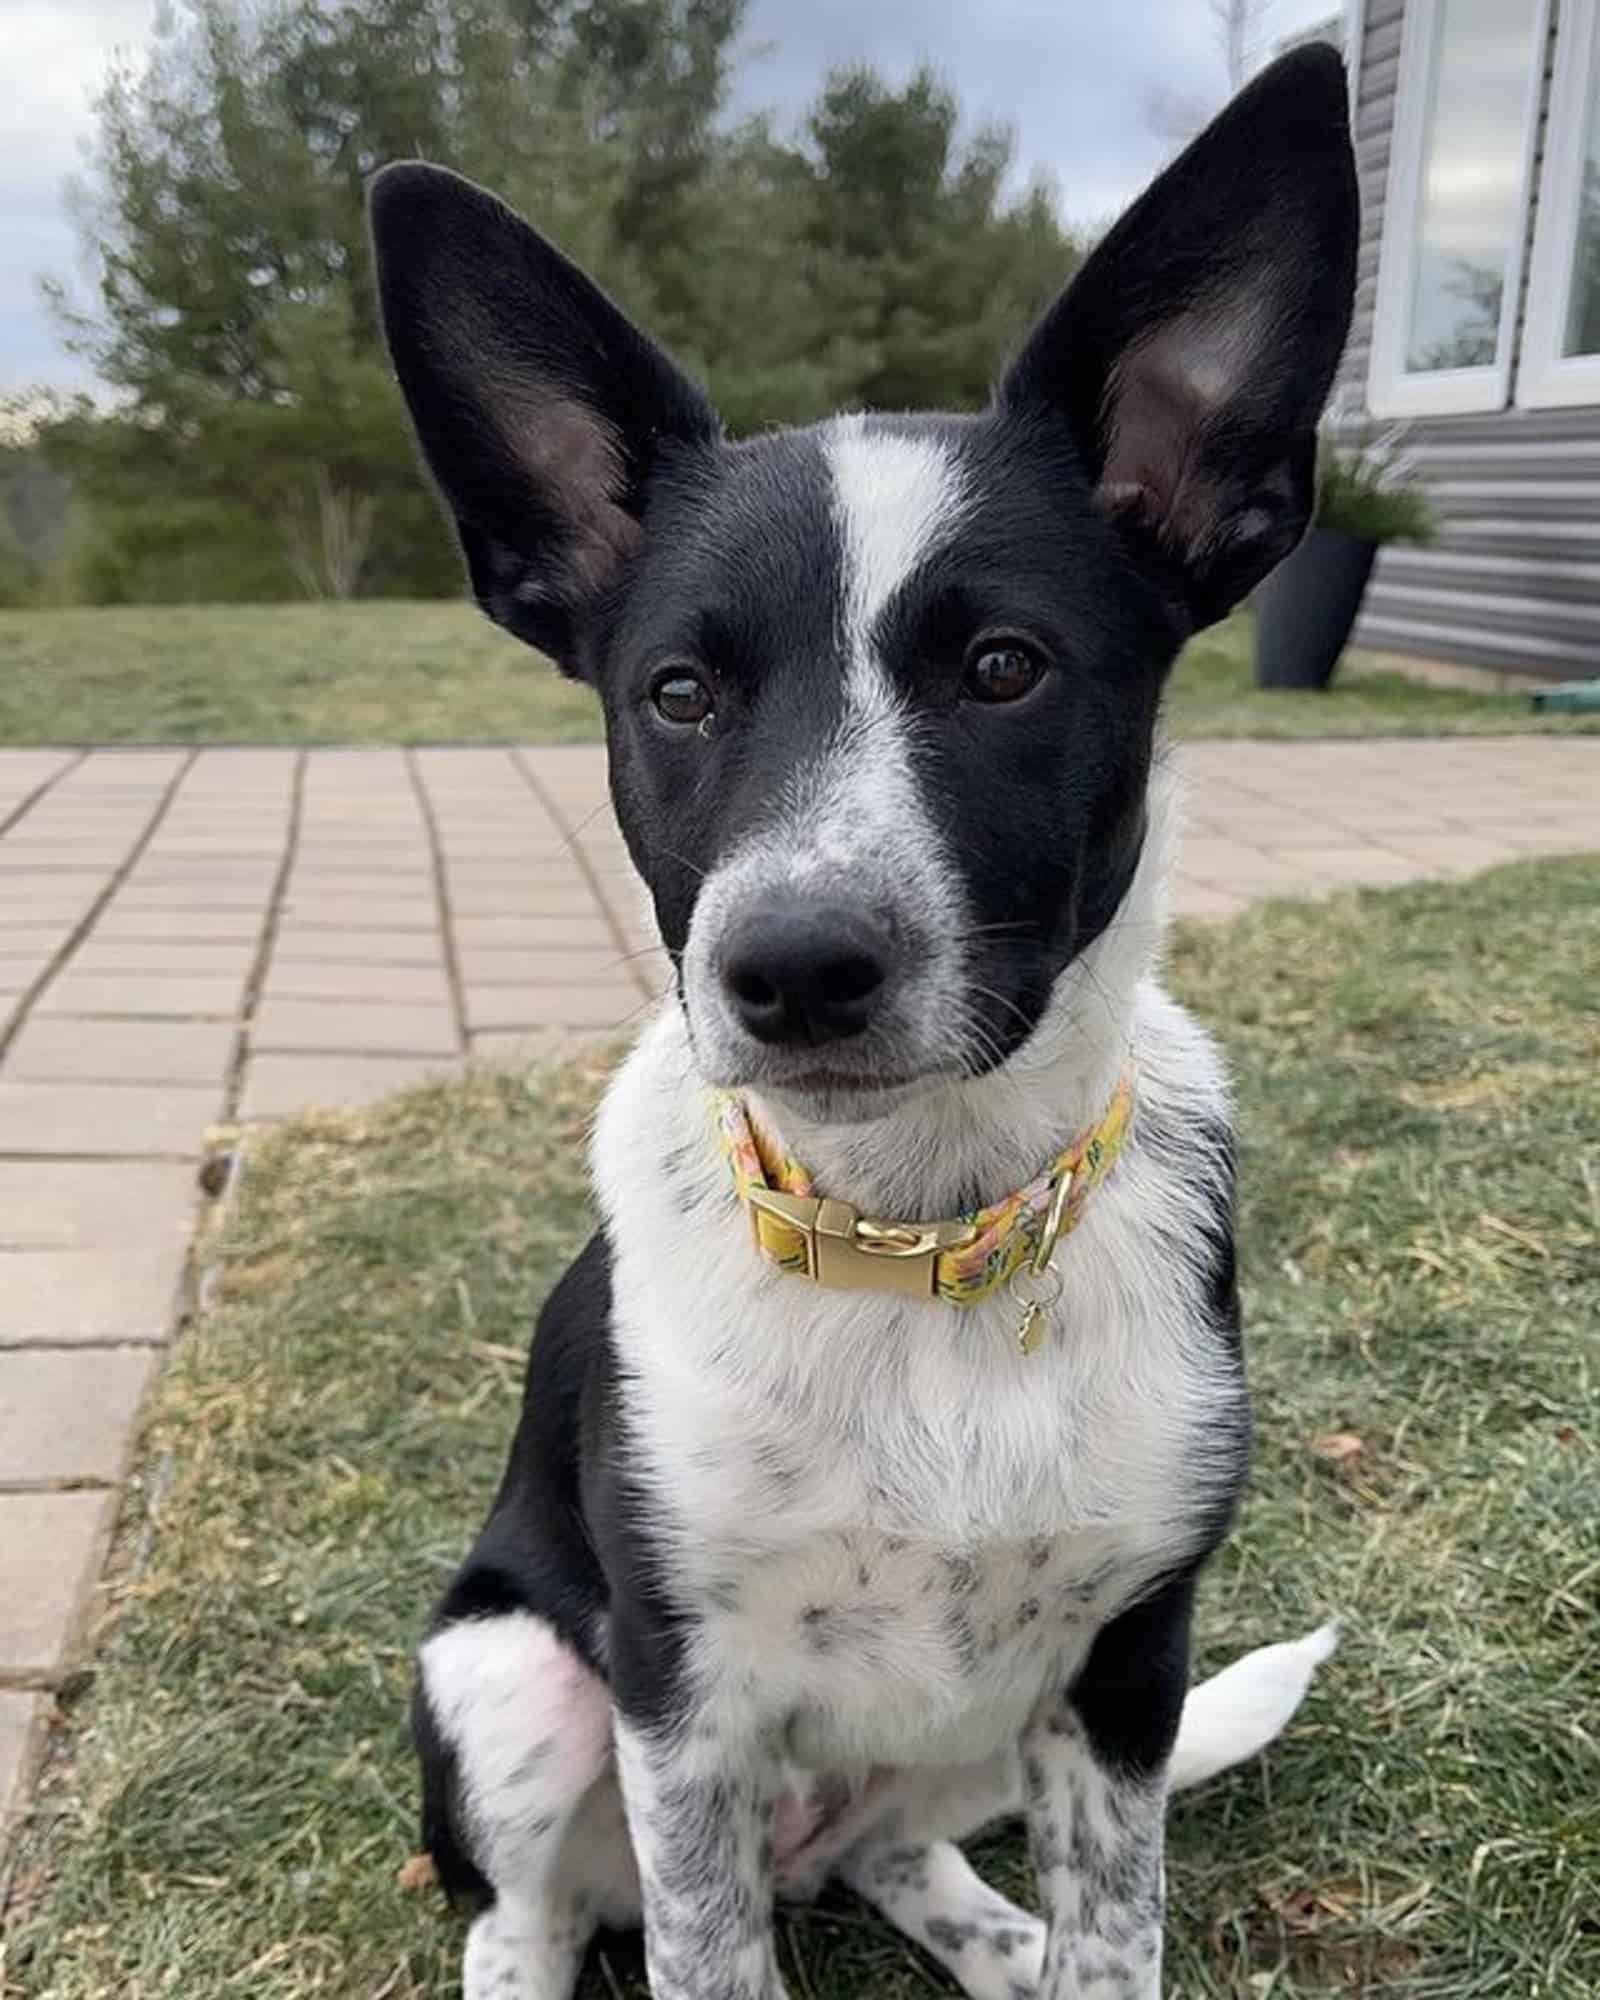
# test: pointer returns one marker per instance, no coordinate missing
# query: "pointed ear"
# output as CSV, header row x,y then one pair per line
x,y
1192,354
541,409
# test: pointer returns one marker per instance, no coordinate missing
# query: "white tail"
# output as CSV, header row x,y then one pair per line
x,y
1239,1711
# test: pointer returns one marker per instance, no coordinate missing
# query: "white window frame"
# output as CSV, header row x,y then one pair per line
x,y
1547,378
1392,389
1355,35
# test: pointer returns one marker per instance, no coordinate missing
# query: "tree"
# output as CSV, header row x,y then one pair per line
x,y
260,446
235,307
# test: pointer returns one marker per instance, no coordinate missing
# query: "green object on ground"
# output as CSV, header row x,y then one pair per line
x,y
1574,696
1419,1095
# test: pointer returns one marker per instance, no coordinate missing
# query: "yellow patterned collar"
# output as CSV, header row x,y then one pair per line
x,y
1011,1242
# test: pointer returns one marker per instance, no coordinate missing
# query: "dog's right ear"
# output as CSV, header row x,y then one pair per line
x,y
1191,356
541,409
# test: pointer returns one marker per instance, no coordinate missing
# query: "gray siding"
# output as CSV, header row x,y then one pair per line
x,y
1513,581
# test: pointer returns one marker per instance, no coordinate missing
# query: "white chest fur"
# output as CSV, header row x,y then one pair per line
x,y
886,1515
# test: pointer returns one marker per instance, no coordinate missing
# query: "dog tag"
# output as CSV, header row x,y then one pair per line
x,y
1036,1291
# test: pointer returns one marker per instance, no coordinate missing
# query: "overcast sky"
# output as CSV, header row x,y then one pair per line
x,y
1071,76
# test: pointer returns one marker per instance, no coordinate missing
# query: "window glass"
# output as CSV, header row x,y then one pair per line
x,y
1583,311
1468,218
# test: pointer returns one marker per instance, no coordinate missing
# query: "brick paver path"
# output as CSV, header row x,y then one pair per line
x,y
193,937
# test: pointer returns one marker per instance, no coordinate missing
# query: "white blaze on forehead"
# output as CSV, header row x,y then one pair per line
x,y
896,498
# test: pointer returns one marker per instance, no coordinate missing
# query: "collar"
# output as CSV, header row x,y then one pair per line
x,y
1011,1242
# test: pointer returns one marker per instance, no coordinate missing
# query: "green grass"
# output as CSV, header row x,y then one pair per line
x,y
435,672
378,672
1213,693
1419,1082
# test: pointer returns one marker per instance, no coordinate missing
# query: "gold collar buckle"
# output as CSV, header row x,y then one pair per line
x,y
854,1252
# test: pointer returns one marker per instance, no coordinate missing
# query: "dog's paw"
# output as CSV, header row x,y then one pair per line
x,y
500,1964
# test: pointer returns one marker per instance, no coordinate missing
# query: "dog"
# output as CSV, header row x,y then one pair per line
x,y
831,1533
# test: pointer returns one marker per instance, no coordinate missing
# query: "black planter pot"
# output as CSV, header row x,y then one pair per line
x,y
1305,609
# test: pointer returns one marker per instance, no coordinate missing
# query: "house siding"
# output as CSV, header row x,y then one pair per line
x,y
1513,581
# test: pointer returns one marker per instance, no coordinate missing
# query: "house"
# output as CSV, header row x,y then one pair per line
x,y
1477,128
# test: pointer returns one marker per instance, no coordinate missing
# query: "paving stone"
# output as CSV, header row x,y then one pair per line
x,y
227,897
532,894
295,943
17,972
79,1118
489,965
521,1048
362,913
23,884
192,927
354,1025
573,933
1550,836
98,957
320,979
594,1006
280,1086
1199,899
67,1416
32,940
82,1204
1452,853
153,995
22,1731
109,1051
51,1548
1357,865
122,1291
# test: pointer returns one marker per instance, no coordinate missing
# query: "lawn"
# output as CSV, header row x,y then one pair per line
x,y
1419,1083
431,672
279,673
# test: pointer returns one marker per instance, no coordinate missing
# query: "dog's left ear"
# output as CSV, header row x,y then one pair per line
x,y
1192,354
542,410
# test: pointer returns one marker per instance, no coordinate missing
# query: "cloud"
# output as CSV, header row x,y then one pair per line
x,y
1070,76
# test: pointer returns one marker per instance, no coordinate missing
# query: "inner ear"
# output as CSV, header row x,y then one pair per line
x,y
1190,456
572,455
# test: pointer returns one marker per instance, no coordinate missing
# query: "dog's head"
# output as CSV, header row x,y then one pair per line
x,y
880,695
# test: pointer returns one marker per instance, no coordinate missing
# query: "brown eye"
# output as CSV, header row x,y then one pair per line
x,y
1001,672
683,698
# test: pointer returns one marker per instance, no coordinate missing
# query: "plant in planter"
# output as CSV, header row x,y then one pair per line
x,y
1367,494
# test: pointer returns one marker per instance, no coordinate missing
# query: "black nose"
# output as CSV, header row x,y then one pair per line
x,y
806,974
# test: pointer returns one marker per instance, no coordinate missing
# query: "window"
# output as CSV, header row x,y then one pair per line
x,y
1456,208
1561,340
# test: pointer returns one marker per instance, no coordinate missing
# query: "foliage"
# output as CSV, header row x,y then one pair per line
x,y
260,448
34,502
1419,1092
1366,487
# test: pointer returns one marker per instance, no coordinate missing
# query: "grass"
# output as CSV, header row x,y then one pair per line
x,y
1213,693
1419,1082
433,672
279,673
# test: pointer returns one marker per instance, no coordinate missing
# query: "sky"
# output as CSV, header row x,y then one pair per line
x,y
1072,77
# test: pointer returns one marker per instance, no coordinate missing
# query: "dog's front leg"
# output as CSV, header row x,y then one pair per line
x,y
1094,1772
699,1799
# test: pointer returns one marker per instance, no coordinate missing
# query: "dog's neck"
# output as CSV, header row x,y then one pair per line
x,y
968,1141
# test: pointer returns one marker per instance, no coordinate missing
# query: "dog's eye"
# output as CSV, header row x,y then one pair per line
x,y
1001,670
681,697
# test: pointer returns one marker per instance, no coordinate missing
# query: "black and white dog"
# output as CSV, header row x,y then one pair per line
x,y
804,1564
